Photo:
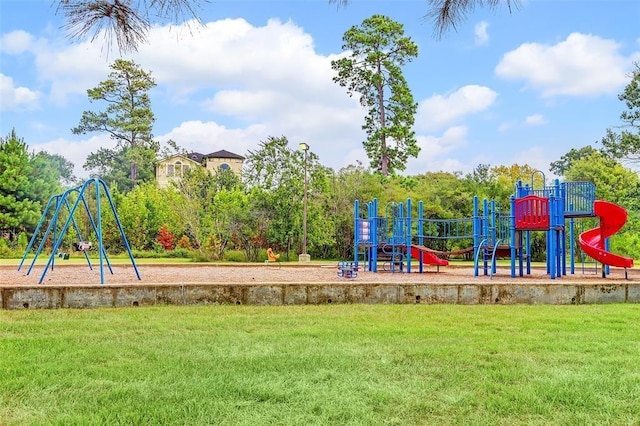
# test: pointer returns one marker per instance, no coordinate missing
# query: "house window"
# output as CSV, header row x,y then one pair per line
x,y
225,166
177,169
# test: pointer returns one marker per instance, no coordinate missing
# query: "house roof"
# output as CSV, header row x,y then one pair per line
x,y
195,156
224,154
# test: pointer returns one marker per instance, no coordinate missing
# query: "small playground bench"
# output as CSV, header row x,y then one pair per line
x,y
347,270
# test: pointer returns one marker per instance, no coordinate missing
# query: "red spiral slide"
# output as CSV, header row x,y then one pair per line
x,y
612,218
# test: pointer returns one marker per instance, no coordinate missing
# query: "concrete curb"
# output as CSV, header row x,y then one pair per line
x,y
118,295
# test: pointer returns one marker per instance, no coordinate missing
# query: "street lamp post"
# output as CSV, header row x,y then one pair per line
x,y
304,257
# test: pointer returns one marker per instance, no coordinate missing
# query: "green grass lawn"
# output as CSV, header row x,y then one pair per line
x,y
337,364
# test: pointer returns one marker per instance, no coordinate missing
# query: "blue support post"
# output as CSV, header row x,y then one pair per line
x,y
551,264
528,245
120,228
512,229
356,225
494,235
99,220
58,241
75,226
476,235
572,242
421,232
408,236
52,225
558,221
486,233
605,268
40,223
373,217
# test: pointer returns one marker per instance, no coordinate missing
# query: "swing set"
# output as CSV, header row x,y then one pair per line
x,y
60,215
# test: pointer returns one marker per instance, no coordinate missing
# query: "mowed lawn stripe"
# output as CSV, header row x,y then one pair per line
x,y
338,364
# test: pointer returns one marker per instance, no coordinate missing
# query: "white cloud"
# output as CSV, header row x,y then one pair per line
x,y
268,80
206,137
434,150
535,120
233,54
246,104
269,77
76,151
439,111
230,54
505,126
72,70
536,156
68,69
15,42
16,98
336,148
581,65
480,32
529,121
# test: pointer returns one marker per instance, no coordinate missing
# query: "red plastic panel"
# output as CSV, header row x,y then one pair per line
x,y
532,213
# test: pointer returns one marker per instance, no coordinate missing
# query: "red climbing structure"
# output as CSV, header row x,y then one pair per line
x,y
532,213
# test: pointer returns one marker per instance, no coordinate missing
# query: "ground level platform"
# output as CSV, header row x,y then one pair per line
x,y
273,284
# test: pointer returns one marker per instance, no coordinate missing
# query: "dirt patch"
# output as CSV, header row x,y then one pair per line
x,y
223,274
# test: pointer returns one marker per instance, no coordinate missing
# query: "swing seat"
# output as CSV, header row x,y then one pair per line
x,y
82,245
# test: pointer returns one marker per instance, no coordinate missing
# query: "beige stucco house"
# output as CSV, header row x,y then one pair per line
x,y
172,167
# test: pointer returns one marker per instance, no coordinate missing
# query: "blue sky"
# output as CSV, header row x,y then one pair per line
x,y
504,88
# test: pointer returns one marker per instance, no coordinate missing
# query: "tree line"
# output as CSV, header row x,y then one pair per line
x,y
223,216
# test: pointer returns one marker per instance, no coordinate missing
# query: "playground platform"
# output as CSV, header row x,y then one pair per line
x,y
78,287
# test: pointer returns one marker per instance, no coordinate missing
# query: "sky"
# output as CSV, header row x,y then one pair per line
x,y
521,87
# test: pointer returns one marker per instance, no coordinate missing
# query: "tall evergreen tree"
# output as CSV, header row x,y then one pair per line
x,y
26,183
128,119
378,49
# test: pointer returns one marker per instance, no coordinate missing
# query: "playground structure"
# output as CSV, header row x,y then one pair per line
x,y
61,209
398,237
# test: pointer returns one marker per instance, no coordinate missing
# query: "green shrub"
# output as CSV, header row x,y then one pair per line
x,y
235,256
23,241
180,253
5,251
146,254
262,255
